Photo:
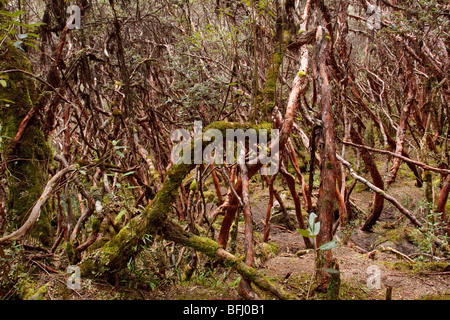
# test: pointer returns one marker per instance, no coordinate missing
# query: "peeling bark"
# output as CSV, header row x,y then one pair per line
x,y
327,192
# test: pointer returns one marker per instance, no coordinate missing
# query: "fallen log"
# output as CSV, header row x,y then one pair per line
x,y
171,231
115,254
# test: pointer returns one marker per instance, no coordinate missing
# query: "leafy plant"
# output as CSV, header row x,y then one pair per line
x,y
312,231
8,28
117,148
425,238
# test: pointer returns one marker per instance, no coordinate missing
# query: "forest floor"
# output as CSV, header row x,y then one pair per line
x,y
283,263
409,280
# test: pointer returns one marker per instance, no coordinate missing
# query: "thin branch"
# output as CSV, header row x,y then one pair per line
x,y
420,164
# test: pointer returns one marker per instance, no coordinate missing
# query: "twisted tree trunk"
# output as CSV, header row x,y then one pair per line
x,y
327,193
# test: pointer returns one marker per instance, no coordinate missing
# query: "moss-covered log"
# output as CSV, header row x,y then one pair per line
x,y
172,231
27,160
116,252
114,255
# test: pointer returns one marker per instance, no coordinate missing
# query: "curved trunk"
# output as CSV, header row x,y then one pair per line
x,y
378,200
442,203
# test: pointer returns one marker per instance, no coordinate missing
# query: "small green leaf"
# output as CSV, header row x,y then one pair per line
x,y
127,174
34,35
3,83
32,45
329,270
17,13
312,219
120,154
328,246
193,185
22,36
304,233
316,228
37,24
17,44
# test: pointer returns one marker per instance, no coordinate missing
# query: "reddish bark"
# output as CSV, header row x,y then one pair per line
x,y
443,201
248,227
233,205
391,142
378,200
185,201
269,209
327,191
402,127
290,180
216,185
305,190
343,216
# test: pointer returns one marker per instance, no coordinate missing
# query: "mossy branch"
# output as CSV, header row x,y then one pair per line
x,y
172,231
116,252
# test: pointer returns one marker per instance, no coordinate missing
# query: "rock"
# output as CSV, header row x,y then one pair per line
x,y
265,251
279,219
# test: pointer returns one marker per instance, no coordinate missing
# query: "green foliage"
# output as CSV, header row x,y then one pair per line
x,y
313,230
433,228
9,30
11,259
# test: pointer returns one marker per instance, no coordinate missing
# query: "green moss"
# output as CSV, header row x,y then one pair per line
x,y
209,196
271,82
351,292
29,290
120,218
32,154
96,224
72,255
334,284
418,267
222,126
445,296
117,251
282,40
205,245
264,251
395,235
